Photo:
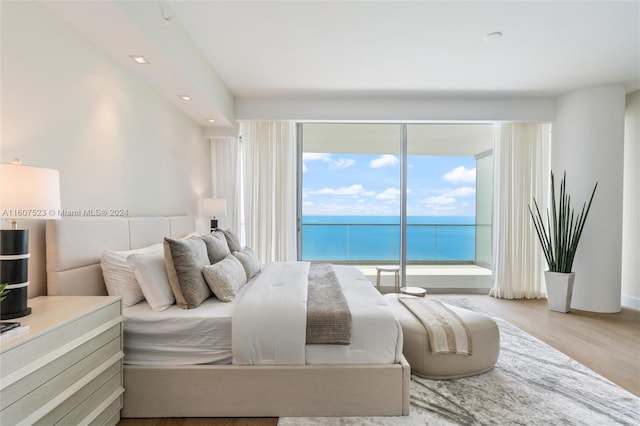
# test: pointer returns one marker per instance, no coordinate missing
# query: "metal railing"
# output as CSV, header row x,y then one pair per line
x,y
375,243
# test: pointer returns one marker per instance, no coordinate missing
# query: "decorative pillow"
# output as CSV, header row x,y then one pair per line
x,y
225,278
151,273
232,241
184,261
249,261
217,247
120,278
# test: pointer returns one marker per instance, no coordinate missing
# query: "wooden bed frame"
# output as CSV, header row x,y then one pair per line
x,y
74,249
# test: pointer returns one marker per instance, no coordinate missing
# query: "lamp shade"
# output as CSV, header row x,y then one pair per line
x,y
214,207
28,192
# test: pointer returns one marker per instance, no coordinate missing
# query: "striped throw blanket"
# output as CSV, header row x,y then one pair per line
x,y
448,333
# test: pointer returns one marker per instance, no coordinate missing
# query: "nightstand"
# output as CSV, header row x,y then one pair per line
x,y
68,367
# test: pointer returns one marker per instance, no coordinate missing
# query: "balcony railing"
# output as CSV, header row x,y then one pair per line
x,y
364,243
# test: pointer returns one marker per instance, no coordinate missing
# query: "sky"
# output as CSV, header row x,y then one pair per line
x,y
369,185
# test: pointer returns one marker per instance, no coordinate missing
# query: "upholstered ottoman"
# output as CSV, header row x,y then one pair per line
x,y
424,363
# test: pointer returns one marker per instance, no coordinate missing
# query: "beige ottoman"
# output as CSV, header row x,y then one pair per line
x,y
424,363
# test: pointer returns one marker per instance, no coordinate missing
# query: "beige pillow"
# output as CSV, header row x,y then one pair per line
x,y
225,278
249,261
217,247
184,261
232,241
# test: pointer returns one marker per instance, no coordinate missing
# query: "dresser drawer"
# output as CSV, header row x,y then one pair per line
x,y
17,384
61,390
86,405
64,338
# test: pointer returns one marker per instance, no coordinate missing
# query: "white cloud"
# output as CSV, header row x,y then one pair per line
x,y
355,189
385,160
464,191
389,194
440,200
343,163
461,174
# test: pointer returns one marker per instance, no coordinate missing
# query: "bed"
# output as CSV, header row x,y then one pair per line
x,y
337,384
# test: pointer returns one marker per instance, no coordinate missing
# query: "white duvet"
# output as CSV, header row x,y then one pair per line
x,y
269,321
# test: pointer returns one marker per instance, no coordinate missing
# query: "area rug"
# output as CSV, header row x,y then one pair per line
x,y
531,384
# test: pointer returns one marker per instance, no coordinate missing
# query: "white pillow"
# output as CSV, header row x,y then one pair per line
x,y
225,277
151,273
119,278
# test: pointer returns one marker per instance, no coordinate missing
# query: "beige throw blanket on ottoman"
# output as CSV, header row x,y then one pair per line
x,y
447,332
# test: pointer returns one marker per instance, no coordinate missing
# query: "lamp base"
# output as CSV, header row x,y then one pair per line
x,y
13,315
214,224
14,271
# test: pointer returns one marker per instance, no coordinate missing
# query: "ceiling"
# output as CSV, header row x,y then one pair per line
x,y
362,49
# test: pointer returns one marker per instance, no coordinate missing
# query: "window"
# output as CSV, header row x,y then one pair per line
x,y
359,189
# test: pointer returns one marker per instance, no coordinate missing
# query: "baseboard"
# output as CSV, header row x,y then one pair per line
x,y
631,302
387,289
458,290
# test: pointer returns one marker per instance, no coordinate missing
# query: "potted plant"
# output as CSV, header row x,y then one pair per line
x,y
559,240
3,291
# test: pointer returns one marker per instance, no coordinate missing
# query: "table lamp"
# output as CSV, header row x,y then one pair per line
x,y
214,207
26,193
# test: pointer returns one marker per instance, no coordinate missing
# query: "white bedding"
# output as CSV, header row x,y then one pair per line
x,y
178,336
203,335
269,321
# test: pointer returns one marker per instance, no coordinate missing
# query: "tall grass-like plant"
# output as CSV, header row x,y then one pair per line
x,y
560,237
3,291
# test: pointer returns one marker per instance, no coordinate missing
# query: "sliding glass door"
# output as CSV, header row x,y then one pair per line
x,y
350,193
403,194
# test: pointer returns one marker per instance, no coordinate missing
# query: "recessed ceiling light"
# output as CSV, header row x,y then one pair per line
x,y
185,97
139,59
211,120
496,35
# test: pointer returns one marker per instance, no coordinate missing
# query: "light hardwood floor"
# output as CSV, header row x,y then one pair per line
x,y
609,344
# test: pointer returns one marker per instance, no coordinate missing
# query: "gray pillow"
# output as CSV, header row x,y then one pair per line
x,y
184,261
232,241
249,261
217,247
225,278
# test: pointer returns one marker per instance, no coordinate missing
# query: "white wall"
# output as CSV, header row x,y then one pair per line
x,y
588,144
631,205
419,109
115,141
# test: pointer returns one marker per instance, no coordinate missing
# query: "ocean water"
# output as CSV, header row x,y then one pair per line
x,y
377,238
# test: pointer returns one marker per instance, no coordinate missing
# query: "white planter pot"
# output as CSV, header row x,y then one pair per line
x,y
559,290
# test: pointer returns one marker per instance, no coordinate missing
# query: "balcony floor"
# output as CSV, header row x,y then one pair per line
x,y
436,278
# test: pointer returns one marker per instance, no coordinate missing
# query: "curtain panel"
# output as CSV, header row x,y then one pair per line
x,y
225,174
268,152
521,173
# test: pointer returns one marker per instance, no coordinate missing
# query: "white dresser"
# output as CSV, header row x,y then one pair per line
x,y
67,367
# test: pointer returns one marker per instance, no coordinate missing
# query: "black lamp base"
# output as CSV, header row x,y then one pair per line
x,y
14,271
214,224
18,314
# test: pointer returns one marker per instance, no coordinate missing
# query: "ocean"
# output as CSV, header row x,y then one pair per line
x,y
377,238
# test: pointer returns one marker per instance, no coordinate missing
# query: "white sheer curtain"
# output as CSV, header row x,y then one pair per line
x,y
225,171
269,179
521,170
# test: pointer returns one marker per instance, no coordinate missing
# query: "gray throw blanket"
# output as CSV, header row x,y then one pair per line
x,y
328,315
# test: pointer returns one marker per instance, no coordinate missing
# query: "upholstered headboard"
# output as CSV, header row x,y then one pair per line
x,y
75,246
